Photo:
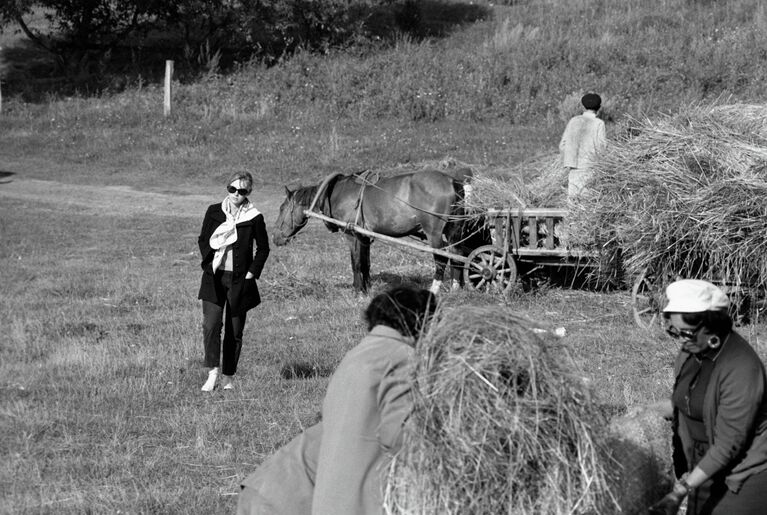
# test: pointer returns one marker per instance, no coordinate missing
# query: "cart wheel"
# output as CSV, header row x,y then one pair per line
x,y
647,300
486,270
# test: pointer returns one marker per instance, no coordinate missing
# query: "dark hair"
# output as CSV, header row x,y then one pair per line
x,y
591,101
404,308
241,176
718,322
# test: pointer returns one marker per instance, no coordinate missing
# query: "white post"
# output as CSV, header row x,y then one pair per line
x,y
168,78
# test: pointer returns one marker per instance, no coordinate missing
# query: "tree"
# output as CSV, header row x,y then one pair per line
x,y
80,32
76,28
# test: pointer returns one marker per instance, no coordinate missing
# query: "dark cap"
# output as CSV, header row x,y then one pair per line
x,y
591,101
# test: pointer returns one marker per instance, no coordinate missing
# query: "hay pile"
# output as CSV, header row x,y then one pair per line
x,y
685,196
538,182
502,424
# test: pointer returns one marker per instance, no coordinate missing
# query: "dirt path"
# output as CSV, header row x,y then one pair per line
x,y
124,200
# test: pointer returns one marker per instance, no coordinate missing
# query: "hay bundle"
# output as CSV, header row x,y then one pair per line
x,y
685,196
640,446
501,424
538,182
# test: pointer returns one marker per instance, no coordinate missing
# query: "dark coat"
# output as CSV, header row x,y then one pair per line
x,y
244,293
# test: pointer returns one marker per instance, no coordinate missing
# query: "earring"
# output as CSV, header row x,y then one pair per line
x,y
714,342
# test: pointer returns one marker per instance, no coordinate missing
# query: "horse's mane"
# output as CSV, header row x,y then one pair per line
x,y
305,194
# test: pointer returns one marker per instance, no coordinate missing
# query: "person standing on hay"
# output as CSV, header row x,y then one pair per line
x,y
337,467
229,274
719,408
583,138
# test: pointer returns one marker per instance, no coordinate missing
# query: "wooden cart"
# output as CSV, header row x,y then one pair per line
x,y
525,240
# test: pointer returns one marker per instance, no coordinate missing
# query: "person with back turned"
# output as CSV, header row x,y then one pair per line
x,y
583,138
338,466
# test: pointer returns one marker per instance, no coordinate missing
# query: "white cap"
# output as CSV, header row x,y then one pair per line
x,y
694,296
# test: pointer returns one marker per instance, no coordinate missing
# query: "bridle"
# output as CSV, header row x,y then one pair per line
x,y
295,227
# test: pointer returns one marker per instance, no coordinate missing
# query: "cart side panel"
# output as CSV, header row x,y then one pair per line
x,y
550,222
532,235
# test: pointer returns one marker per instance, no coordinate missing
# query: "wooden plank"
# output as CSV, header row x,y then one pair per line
x,y
531,211
390,239
168,96
498,227
556,252
550,232
532,225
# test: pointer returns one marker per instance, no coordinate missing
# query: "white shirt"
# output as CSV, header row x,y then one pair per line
x,y
584,136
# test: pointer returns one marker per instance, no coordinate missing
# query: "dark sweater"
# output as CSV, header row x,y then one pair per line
x,y
734,414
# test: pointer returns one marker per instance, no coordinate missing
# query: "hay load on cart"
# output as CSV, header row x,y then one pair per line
x,y
527,209
684,196
676,196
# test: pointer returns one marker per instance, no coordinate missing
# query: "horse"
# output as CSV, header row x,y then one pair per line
x,y
425,204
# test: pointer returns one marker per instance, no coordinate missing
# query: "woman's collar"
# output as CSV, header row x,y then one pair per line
x,y
389,332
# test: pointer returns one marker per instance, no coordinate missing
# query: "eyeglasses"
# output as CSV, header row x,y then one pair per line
x,y
241,191
688,334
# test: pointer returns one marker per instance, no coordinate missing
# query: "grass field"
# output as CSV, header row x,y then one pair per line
x,y
101,203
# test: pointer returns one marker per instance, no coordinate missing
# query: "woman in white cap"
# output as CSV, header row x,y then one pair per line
x,y
718,405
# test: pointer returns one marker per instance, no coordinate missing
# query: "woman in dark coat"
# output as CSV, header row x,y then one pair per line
x,y
719,408
229,273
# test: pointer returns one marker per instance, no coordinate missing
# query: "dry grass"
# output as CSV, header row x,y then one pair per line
x,y
503,423
540,181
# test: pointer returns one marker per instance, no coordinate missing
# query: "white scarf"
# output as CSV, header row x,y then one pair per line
x,y
226,233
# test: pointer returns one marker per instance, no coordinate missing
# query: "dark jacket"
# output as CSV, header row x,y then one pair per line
x,y
244,293
734,415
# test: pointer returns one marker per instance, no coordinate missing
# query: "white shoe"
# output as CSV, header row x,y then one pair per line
x,y
210,384
227,382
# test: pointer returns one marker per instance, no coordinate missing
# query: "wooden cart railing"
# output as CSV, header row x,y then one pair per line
x,y
509,224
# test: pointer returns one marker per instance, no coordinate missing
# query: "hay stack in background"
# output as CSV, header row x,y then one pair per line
x,y
502,424
538,182
685,196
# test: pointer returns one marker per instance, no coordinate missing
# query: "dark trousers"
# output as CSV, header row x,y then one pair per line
x,y
214,318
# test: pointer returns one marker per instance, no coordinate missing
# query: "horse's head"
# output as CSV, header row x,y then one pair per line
x,y
291,218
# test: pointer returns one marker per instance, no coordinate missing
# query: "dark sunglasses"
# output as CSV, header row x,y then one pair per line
x,y
241,191
688,334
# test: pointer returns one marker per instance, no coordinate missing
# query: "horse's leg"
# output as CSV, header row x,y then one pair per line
x,y
364,244
440,263
359,249
437,241
456,274
453,234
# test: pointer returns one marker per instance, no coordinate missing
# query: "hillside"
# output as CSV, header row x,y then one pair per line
x,y
492,92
